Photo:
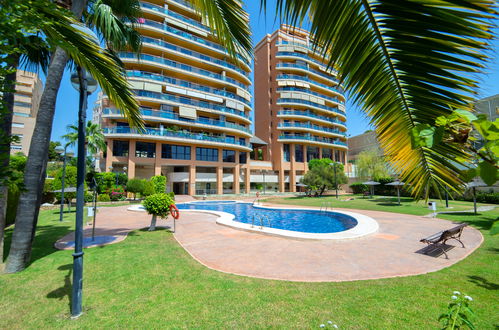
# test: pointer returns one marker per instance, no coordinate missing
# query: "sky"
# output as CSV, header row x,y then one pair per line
x,y
261,24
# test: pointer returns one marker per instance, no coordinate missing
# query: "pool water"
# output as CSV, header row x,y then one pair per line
x,y
307,221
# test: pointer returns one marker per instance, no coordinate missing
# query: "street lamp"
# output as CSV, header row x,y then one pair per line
x,y
85,86
61,150
335,177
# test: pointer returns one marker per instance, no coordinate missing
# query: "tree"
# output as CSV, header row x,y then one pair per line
x,y
371,165
52,154
135,186
109,19
158,205
148,189
321,175
159,182
69,181
95,139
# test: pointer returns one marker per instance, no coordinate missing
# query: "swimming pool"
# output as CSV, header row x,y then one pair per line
x,y
291,222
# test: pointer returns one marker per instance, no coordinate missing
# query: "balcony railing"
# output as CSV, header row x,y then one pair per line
x,y
308,91
168,114
186,84
194,54
311,138
292,43
306,57
175,134
307,68
185,67
316,105
303,78
311,126
310,115
188,101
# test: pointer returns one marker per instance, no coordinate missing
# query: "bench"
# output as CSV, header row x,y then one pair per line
x,y
441,237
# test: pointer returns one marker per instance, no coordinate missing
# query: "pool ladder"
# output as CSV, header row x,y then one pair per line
x,y
262,219
325,206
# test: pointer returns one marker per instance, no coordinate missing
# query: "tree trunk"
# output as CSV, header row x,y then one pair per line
x,y
153,223
34,175
6,115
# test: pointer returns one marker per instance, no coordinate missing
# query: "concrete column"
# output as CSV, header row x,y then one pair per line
x,y
237,168
157,160
220,176
320,152
109,155
131,159
192,180
292,172
247,179
281,180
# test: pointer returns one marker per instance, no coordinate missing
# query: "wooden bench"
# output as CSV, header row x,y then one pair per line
x,y
441,237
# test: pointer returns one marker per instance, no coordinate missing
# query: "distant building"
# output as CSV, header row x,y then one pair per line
x,y
27,96
488,106
362,142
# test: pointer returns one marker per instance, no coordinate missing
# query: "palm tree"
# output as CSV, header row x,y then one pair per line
x,y
95,140
106,68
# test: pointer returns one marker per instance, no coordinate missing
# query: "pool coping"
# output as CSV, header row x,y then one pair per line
x,y
365,224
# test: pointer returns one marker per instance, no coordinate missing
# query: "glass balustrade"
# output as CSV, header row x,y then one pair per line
x,y
309,114
316,105
311,138
306,57
303,78
308,91
310,126
307,68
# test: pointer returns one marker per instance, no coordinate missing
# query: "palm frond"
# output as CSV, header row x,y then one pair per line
x,y
231,23
406,63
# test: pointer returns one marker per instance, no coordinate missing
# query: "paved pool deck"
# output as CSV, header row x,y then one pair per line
x,y
393,251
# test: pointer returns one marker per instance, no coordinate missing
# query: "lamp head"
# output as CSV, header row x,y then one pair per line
x,y
91,82
59,149
70,154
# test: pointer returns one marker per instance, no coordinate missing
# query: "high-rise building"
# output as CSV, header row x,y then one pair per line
x,y
195,101
299,105
27,95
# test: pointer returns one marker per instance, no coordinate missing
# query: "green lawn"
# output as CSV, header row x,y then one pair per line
x,y
149,281
378,203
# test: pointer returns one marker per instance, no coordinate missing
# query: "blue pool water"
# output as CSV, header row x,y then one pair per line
x,y
307,221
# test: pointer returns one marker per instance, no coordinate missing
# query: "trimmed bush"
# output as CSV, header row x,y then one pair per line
x,y
104,198
159,183
172,195
157,205
148,188
487,197
359,188
135,186
117,194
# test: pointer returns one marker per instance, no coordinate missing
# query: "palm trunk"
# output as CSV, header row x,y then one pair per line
x,y
34,175
5,135
152,227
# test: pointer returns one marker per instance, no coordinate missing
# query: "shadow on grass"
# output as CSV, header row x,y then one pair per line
x,y
479,220
64,290
483,283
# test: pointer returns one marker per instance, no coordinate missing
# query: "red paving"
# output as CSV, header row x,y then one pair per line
x,y
391,252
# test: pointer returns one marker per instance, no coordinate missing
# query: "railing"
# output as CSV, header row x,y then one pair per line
x,y
292,43
189,21
311,138
309,114
307,68
306,57
168,114
194,54
188,101
206,191
187,84
176,134
303,78
317,105
311,126
185,67
308,91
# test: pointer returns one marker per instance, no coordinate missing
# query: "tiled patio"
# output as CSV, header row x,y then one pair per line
x,y
391,252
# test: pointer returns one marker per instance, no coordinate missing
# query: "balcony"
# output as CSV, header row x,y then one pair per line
x,y
186,84
188,101
281,101
185,67
158,132
322,140
307,58
311,126
308,91
338,90
309,114
307,68
169,114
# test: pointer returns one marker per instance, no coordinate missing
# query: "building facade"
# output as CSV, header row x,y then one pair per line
x,y
27,96
299,106
195,101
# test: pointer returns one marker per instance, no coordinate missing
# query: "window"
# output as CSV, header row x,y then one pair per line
x,y
336,155
171,151
312,153
229,156
230,139
299,153
18,125
120,148
145,149
327,153
243,157
285,148
21,114
16,147
207,154
22,104
242,141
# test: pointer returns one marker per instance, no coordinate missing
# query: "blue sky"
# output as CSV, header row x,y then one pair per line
x,y
261,24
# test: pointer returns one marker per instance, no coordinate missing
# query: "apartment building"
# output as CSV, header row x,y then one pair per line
x,y
195,101
27,96
299,106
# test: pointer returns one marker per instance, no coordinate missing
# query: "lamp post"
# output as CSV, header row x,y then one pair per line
x,y
61,150
335,177
264,181
85,86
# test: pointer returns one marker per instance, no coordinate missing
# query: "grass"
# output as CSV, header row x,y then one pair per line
x,y
149,281
378,203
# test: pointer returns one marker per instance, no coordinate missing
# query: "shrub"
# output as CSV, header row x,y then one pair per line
x,y
122,179
105,181
487,197
47,195
148,188
89,197
172,195
158,205
104,198
383,189
12,201
69,181
117,194
135,186
159,183
359,188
